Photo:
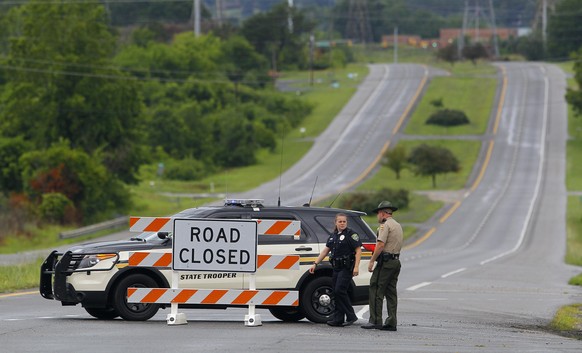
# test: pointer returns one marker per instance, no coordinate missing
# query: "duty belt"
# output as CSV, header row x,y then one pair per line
x,y
388,256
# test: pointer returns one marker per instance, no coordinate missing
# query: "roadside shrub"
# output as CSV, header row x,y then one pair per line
x,y
55,207
185,169
368,201
448,117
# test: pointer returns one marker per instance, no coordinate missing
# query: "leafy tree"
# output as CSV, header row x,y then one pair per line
x,y
531,47
235,138
432,160
10,168
395,159
55,207
81,178
474,52
368,201
60,85
564,29
270,34
448,54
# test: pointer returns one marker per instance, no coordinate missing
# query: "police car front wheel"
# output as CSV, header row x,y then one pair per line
x,y
134,311
317,301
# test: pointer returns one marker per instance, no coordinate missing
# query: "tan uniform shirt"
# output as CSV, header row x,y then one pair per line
x,y
390,233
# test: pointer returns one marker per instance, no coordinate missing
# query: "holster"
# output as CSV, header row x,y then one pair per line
x,y
339,263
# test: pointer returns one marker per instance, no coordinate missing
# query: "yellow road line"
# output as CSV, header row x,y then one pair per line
x,y
396,128
483,166
421,240
450,212
17,294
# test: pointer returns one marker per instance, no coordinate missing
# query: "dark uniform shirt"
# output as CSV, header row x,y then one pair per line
x,y
343,243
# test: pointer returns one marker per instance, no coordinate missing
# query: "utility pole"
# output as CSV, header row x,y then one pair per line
x,y
542,16
196,12
218,10
396,44
289,16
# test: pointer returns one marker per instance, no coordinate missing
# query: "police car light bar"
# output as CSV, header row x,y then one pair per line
x,y
244,202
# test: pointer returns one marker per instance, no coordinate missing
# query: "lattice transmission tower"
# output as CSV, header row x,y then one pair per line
x,y
358,26
472,16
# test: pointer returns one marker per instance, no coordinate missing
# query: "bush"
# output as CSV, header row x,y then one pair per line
x,y
367,202
185,169
55,207
448,117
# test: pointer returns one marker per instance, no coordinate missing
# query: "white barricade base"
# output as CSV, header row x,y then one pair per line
x,y
177,319
253,320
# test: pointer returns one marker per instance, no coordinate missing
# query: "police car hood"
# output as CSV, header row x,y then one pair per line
x,y
115,246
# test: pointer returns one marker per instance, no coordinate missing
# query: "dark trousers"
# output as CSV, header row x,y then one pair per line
x,y
383,285
343,306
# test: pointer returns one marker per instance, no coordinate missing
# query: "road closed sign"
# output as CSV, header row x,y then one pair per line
x,y
215,245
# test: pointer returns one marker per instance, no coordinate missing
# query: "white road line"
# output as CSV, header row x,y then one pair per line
x,y
454,272
427,299
420,285
360,314
539,176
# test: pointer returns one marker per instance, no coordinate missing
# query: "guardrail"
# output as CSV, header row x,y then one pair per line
x,y
93,228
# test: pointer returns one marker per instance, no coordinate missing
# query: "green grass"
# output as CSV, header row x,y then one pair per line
x,y
17,277
465,151
568,319
574,231
46,237
457,93
573,165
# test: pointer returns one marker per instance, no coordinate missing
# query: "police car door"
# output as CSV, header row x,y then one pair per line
x,y
306,247
214,280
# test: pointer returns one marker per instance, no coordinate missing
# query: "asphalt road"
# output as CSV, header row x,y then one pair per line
x,y
487,277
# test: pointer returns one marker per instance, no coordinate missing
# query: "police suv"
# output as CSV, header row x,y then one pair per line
x,y
97,275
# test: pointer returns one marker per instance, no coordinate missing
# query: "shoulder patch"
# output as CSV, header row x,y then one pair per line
x,y
355,237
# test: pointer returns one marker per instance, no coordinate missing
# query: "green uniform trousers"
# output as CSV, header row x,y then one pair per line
x,y
383,284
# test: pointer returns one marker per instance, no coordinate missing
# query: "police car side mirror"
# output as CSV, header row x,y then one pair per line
x,y
163,235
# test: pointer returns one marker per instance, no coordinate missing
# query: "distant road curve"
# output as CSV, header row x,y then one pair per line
x,y
352,145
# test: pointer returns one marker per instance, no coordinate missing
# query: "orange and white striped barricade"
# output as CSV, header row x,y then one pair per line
x,y
265,226
175,295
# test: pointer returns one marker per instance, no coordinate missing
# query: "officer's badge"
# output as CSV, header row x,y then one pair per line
x,y
355,237
342,237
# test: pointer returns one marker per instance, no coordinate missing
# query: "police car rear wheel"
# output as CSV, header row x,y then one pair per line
x,y
134,311
317,300
287,314
102,313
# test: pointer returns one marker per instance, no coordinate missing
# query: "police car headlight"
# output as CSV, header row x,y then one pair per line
x,y
93,260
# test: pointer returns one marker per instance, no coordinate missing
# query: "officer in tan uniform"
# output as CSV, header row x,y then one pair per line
x,y
385,274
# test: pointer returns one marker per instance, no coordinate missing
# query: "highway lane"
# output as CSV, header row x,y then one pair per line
x,y
487,279
499,254
353,143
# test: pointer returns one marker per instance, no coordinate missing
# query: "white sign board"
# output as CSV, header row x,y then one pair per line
x,y
214,245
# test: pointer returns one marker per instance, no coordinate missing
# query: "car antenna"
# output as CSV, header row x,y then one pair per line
x,y
312,191
338,195
281,168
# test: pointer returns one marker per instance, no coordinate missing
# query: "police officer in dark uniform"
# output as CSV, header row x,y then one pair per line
x,y
346,251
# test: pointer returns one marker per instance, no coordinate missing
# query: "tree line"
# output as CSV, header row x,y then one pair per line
x,y
81,111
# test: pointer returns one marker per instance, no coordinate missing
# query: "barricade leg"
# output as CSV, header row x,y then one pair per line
x,y
174,317
252,319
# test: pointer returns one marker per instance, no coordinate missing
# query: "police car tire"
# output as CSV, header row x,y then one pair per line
x,y
289,314
134,311
316,300
102,313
